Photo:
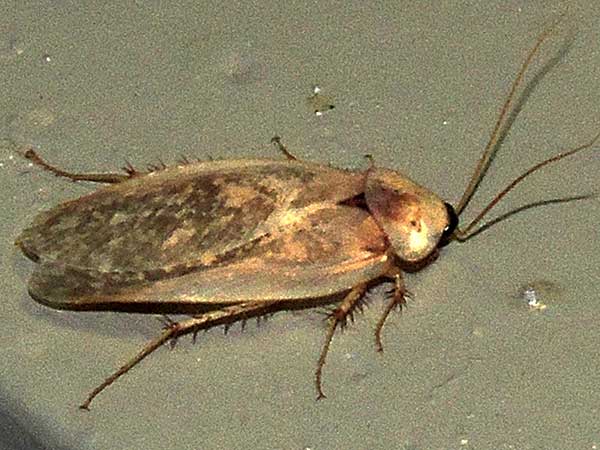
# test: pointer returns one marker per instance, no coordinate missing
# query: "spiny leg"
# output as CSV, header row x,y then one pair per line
x,y
109,178
282,148
337,317
173,330
398,299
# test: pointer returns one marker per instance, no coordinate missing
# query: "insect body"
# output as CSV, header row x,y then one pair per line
x,y
229,240
201,233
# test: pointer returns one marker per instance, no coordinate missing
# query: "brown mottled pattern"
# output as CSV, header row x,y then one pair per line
x,y
147,232
328,243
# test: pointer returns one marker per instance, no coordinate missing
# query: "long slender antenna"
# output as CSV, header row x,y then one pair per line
x,y
490,148
464,234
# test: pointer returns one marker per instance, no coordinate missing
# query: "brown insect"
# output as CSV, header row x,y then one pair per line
x,y
224,241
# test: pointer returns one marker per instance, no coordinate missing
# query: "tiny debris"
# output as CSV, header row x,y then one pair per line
x,y
10,46
242,66
531,296
320,103
536,291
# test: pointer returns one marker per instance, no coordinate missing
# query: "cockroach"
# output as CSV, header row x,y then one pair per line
x,y
223,241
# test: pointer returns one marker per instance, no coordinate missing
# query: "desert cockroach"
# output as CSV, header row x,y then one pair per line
x,y
223,241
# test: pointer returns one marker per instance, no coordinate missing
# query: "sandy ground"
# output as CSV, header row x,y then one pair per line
x,y
468,366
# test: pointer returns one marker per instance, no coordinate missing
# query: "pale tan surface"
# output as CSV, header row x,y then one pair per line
x,y
467,366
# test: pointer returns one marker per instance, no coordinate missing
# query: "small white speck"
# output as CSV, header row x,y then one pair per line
x,y
537,292
318,102
530,295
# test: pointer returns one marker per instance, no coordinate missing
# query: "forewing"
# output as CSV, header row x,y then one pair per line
x,y
176,224
178,219
329,251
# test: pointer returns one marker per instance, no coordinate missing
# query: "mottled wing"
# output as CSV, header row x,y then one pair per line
x,y
202,232
333,250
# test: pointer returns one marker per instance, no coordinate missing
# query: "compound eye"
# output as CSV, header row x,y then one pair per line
x,y
452,224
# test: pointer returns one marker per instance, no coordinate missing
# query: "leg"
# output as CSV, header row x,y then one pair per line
x,y
337,317
398,299
282,148
173,330
94,177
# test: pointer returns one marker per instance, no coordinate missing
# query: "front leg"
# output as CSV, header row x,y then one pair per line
x,y
398,300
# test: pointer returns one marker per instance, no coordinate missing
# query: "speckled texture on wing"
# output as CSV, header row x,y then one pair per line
x,y
333,249
187,220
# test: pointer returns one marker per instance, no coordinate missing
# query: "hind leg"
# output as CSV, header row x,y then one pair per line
x,y
109,178
173,330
